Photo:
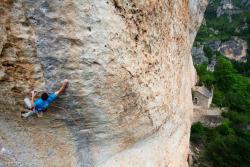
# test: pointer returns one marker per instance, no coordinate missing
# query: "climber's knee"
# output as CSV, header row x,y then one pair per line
x,y
27,103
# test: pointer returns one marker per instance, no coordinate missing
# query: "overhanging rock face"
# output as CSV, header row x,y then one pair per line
x,y
130,70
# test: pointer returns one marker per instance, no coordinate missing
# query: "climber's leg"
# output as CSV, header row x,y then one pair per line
x,y
28,114
27,103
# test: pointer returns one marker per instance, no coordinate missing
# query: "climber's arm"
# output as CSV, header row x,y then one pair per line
x,y
63,87
33,94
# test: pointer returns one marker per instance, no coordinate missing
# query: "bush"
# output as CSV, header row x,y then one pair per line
x,y
205,77
228,145
225,129
208,53
219,97
239,120
231,86
228,151
197,133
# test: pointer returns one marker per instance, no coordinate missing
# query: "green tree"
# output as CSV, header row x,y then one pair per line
x,y
205,77
198,132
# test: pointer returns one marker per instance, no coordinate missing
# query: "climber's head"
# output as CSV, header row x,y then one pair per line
x,y
44,96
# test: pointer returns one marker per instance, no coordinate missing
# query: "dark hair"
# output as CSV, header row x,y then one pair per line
x,y
44,96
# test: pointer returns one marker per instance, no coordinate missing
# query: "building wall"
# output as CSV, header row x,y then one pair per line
x,y
202,100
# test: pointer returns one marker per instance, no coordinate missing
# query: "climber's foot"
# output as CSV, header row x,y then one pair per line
x,y
40,114
22,112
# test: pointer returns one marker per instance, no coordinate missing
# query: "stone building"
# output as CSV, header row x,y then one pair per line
x,y
227,4
209,116
202,96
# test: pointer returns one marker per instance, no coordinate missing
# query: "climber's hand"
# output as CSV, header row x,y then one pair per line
x,y
63,87
65,82
33,93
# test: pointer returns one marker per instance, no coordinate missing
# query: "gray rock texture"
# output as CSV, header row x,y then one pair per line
x,y
199,55
196,12
130,69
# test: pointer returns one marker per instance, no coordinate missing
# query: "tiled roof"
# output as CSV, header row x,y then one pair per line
x,y
204,91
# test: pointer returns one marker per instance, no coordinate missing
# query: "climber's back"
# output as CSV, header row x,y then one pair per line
x,y
42,104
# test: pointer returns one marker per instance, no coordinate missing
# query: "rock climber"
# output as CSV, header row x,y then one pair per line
x,y
40,105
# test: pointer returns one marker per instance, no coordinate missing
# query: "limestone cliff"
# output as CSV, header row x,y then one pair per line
x,y
130,70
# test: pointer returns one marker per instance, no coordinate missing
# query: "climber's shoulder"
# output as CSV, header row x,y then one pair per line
x,y
52,97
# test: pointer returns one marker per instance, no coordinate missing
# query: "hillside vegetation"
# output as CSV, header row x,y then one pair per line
x,y
227,145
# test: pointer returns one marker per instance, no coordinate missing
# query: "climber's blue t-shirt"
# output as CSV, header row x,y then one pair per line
x,y
41,105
